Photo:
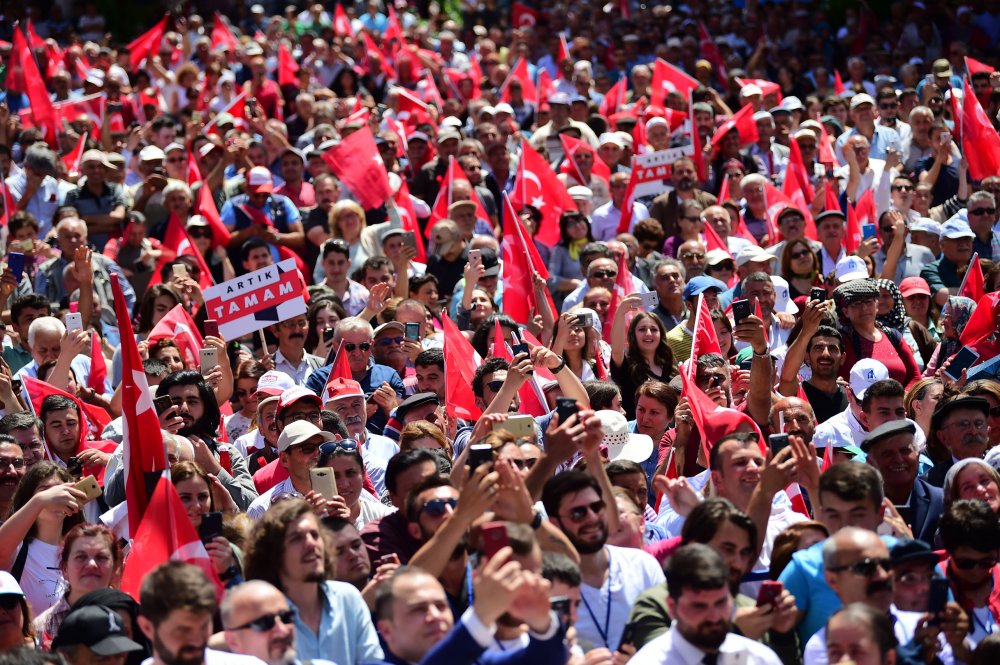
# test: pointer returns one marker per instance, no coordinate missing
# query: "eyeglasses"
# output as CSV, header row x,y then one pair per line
x,y
983,211
888,107
964,563
866,567
579,513
966,424
265,623
200,233
16,462
311,416
347,445
176,160
495,386
801,255
902,188
364,346
306,448
602,274
386,341
438,507
9,601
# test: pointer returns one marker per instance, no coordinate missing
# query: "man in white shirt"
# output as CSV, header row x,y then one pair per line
x,y
605,219
35,190
291,357
701,606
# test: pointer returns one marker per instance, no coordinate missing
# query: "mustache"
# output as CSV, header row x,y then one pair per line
x,y
352,420
976,438
879,587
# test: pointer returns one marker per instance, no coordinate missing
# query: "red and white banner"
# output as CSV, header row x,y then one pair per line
x,y
256,300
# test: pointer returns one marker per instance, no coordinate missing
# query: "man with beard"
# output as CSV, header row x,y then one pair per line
x,y
178,602
195,415
820,348
961,426
700,603
12,467
259,623
287,548
666,207
859,570
291,357
613,577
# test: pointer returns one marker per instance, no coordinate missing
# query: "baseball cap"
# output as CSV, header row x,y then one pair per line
x,y
610,138
560,98
273,383
656,121
941,67
9,585
172,147
151,153
461,205
702,283
851,267
300,432
912,286
864,373
580,192
762,115
414,401
621,443
297,394
926,225
448,134
96,156
906,550
503,107
195,220
954,229
791,103
863,98
753,254
391,325
259,181
96,627
750,90
716,256
341,389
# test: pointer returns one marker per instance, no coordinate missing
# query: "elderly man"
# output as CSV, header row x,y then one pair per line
x,y
961,426
48,340
101,204
792,225
692,254
344,397
606,218
666,207
718,218
982,213
944,275
771,157
879,137
601,272
35,190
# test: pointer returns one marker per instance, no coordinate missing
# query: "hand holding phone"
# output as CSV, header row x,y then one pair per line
x,y
210,527
963,360
15,261
769,593
323,482
494,538
741,310
209,359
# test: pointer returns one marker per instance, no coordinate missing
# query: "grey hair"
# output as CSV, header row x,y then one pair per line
x,y
981,195
753,179
40,158
177,186
671,262
352,323
45,324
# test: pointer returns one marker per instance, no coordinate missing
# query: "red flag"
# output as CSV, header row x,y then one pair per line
x,y
866,208
766,87
827,455
178,325
714,241
356,161
98,366
341,24
760,315
852,238
710,51
42,111
147,44
572,146
96,417
666,79
205,206
628,204
410,109
799,190
563,52
7,205
698,147
72,158
742,230
794,492
222,35
395,29
838,84
980,141
714,421
624,286
431,94
537,185
407,214
831,195
288,69
176,242
498,349
519,73
827,155
546,88
973,66
165,533
193,172
742,121
956,115
460,361
340,369
705,339
445,197
521,261
973,282
236,108
982,323
523,16
600,369
614,98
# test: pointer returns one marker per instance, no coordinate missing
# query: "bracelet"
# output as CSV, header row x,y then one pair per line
x,y
766,354
558,368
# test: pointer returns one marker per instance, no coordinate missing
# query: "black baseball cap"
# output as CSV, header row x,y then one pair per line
x,y
96,627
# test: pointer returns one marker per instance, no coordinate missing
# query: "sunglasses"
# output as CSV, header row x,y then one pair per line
x,y
902,188
351,347
347,445
579,513
200,233
983,211
495,386
9,601
266,623
888,107
386,341
692,255
438,507
601,274
801,255
964,563
866,567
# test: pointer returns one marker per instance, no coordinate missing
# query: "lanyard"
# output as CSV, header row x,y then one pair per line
x,y
989,627
607,614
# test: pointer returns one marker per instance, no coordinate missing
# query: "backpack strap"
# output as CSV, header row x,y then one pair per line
x,y
22,558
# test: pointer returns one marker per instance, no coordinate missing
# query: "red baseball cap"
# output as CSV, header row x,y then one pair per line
x,y
912,286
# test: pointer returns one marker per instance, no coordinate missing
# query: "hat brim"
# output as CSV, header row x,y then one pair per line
x,y
637,449
851,276
266,188
114,645
915,291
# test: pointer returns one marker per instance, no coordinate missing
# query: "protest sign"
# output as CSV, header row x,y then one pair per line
x,y
653,170
256,300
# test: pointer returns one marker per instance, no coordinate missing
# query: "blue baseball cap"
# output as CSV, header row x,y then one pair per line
x,y
702,283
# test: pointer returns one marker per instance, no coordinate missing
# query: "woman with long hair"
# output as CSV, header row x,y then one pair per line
x,y
324,313
424,434
577,338
892,314
921,399
200,494
955,316
565,273
641,353
800,267
348,223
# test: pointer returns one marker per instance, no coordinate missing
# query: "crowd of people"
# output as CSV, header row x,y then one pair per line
x,y
741,402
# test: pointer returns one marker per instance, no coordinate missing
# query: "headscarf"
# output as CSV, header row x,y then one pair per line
x,y
851,292
960,309
896,318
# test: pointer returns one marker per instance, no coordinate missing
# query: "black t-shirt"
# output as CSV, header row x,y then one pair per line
x,y
317,217
825,405
447,272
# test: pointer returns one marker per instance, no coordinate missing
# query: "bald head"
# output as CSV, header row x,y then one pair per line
x,y
796,416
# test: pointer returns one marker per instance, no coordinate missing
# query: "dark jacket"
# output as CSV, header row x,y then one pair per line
x,y
926,506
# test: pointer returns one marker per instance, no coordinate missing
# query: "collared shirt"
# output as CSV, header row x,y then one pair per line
x,y
376,451
844,429
605,219
829,263
346,634
17,357
672,648
300,372
47,198
88,203
262,503
913,260
883,139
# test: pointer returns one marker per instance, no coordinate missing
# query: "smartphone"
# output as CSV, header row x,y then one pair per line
x,y
25,245
475,257
212,328
412,331
209,359
494,538
769,592
565,407
650,299
817,294
584,320
479,454
746,364
777,443
938,596
964,359
196,117
74,321
15,261
560,605
520,426
520,348
410,240
388,558
180,270
628,634
328,334
323,481
867,231
89,487
211,527
162,403
73,466
741,310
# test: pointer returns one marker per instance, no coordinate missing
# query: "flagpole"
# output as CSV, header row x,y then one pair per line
x,y
692,361
975,257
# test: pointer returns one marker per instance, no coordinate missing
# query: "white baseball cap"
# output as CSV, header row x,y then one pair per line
x,y
273,383
850,268
299,432
864,373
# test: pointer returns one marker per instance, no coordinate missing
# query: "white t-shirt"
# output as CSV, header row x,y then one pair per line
x,y
236,426
41,579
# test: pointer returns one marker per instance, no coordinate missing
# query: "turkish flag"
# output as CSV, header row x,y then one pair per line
x,y
798,188
827,155
43,113
532,399
98,366
395,29
524,16
698,147
178,325
742,121
973,284
831,194
143,442
980,141
569,166
193,172
205,206
72,158
546,88
766,87
7,205
714,241
340,368
165,533
460,362
520,262
355,160
446,197
429,90
409,108
714,421
838,84
973,66
222,36
741,230
147,44
865,208
705,339
236,108
666,79
536,184
852,237
288,69
710,51
177,242
624,287
982,323
96,417
614,98
408,216
628,203
519,73
341,24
